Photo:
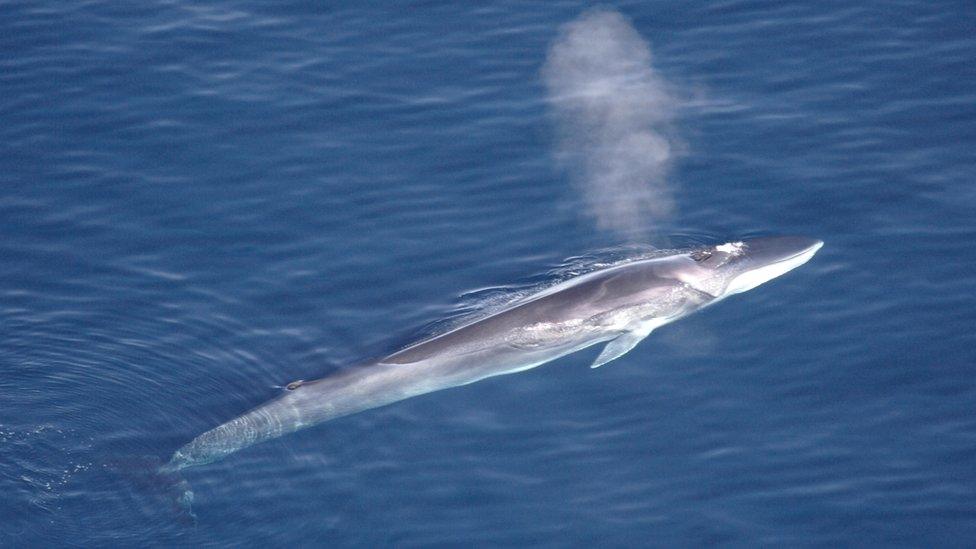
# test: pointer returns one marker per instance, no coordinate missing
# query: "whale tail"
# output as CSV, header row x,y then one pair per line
x,y
163,481
179,490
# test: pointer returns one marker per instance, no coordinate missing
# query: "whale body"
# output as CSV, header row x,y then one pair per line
x,y
617,306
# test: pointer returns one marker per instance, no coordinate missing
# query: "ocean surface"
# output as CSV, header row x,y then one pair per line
x,y
201,202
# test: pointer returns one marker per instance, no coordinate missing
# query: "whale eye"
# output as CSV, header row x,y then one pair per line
x,y
294,384
701,255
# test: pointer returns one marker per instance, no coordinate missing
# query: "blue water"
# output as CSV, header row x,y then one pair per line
x,y
202,201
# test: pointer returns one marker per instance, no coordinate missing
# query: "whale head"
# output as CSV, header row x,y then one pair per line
x,y
735,267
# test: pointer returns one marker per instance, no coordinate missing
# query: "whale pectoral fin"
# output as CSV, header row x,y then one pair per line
x,y
618,347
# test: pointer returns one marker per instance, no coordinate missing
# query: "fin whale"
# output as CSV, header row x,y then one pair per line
x,y
618,306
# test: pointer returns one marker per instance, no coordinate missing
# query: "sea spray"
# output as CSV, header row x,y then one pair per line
x,y
612,113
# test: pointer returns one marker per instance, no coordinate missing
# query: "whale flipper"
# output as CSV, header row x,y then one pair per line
x,y
619,347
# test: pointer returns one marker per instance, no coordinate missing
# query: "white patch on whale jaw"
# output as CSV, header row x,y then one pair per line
x,y
733,248
750,279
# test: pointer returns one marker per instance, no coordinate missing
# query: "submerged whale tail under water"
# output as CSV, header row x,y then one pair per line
x,y
617,306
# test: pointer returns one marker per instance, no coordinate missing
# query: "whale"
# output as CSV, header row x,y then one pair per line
x,y
617,306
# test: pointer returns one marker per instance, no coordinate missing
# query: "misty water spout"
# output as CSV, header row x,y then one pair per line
x,y
612,113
